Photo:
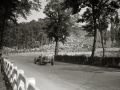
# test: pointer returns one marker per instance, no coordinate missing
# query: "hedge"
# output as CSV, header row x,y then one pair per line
x,y
82,59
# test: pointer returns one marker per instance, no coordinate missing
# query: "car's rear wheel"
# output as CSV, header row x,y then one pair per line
x,y
35,60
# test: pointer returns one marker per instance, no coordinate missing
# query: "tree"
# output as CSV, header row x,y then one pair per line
x,y
94,8
103,25
114,27
58,22
118,35
11,9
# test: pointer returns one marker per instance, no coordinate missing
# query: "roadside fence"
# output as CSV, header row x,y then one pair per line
x,y
15,78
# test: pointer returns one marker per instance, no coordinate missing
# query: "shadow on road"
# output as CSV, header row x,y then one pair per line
x,y
95,69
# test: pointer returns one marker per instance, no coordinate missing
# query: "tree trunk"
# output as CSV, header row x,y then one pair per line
x,y
41,42
95,33
2,32
102,39
1,37
32,39
102,43
112,43
56,47
105,38
26,42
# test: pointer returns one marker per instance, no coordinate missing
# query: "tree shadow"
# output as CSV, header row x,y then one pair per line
x,y
94,69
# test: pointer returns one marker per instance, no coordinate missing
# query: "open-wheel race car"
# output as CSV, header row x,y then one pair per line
x,y
44,60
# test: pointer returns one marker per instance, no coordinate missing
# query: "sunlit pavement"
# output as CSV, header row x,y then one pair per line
x,y
64,76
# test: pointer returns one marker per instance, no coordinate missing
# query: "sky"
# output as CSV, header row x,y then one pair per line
x,y
34,15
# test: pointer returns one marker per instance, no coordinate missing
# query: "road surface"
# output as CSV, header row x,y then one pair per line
x,y
64,76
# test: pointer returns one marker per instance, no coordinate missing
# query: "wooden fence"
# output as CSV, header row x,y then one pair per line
x,y
15,78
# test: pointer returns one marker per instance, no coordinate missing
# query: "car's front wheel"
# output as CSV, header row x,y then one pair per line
x,y
52,62
40,62
35,60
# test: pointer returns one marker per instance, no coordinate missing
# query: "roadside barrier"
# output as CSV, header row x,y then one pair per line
x,y
15,78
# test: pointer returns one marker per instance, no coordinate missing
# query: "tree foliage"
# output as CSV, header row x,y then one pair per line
x,y
10,10
25,35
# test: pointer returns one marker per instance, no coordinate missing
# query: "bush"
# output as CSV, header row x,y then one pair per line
x,y
82,59
111,61
94,60
71,59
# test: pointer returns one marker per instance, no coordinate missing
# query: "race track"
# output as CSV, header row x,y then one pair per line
x,y
64,76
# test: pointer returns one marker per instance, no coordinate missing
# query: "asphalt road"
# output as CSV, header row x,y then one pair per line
x,y
64,76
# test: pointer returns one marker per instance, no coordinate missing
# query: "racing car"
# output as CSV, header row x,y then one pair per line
x,y
44,60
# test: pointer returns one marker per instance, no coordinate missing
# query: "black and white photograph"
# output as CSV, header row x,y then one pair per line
x,y
59,44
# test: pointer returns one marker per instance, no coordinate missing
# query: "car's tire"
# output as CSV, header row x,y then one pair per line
x,y
52,62
40,61
35,60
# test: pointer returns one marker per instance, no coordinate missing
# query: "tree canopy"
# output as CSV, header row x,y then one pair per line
x,y
25,35
10,10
